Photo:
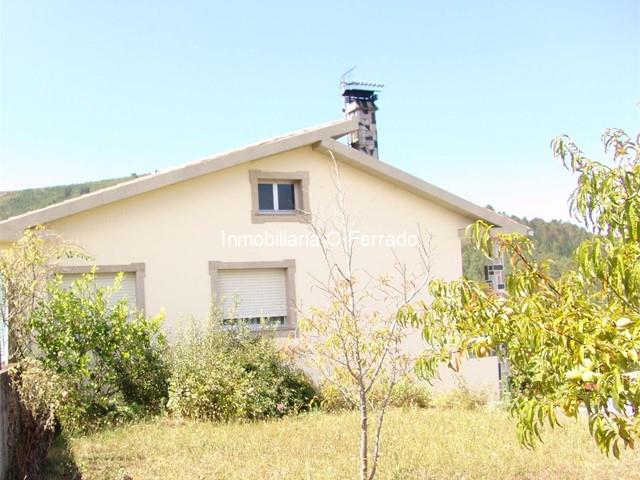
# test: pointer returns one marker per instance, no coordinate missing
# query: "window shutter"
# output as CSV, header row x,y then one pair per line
x,y
105,280
257,292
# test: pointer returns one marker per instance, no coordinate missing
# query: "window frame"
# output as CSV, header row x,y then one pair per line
x,y
137,269
289,267
300,181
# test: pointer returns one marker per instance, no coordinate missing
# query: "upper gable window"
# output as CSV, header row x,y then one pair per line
x,y
279,196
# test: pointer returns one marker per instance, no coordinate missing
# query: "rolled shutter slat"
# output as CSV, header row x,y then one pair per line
x,y
252,293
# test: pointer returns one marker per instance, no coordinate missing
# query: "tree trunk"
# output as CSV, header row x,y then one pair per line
x,y
364,436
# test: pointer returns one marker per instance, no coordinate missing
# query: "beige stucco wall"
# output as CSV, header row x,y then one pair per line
x,y
175,231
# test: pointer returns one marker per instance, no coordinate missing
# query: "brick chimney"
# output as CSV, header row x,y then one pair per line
x,y
359,102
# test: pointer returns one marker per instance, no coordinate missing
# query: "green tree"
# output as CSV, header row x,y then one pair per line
x,y
572,341
554,240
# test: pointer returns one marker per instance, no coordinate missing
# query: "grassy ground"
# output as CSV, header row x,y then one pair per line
x,y
419,444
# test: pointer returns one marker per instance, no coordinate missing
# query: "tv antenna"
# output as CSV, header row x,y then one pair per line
x,y
346,84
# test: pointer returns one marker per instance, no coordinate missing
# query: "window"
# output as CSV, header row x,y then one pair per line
x,y
253,292
494,276
279,196
276,197
131,288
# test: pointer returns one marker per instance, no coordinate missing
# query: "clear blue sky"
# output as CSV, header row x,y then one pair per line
x,y
474,90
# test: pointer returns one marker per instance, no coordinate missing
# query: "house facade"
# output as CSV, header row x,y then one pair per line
x,y
239,225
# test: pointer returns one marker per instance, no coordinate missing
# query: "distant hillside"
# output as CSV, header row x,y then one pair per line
x,y
555,240
22,201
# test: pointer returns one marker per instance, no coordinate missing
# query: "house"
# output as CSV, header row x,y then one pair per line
x,y
237,225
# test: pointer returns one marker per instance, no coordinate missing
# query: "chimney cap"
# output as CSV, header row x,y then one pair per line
x,y
352,94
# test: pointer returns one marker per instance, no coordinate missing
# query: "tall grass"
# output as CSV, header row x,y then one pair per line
x,y
418,444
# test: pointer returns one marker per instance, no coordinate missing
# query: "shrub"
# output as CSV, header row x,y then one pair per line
x,y
462,397
408,393
223,373
113,359
35,396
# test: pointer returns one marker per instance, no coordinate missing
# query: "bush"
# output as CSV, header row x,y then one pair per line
x,y
223,373
463,398
112,358
34,398
408,393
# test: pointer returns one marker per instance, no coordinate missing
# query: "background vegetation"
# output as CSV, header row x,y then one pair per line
x,y
553,240
23,201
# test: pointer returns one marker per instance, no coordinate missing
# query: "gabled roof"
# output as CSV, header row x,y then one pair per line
x,y
322,138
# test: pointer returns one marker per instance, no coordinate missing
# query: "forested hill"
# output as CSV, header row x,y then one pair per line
x,y
554,240
23,201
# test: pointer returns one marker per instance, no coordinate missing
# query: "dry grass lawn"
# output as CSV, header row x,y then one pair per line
x,y
418,444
